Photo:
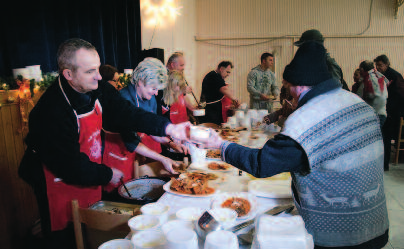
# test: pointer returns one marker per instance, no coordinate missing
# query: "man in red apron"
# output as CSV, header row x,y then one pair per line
x,y
64,151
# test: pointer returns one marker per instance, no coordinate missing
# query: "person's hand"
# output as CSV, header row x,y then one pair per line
x,y
214,141
179,131
264,97
202,105
236,103
180,148
116,176
267,120
168,164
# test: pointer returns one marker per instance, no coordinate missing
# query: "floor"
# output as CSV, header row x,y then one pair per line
x,y
394,189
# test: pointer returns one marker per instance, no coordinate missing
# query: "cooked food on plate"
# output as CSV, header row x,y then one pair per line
x,y
181,168
218,166
213,154
240,205
192,183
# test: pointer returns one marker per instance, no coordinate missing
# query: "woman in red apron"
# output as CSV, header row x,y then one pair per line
x,y
90,125
173,101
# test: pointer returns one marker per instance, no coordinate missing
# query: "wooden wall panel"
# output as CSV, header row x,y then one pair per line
x,y
18,207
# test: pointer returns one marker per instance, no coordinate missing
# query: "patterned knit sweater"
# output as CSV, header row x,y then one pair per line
x,y
342,200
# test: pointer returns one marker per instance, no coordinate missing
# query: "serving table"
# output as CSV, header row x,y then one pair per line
x,y
234,183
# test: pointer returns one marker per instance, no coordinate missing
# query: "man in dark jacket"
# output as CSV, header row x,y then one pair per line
x,y
395,104
64,149
333,67
332,146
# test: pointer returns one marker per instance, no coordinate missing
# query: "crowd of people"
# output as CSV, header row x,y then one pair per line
x,y
84,134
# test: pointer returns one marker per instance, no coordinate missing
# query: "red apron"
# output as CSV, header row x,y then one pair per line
x,y
117,156
226,105
60,194
150,142
178,111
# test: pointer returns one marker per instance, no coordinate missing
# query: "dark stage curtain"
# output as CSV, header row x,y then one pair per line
x,y
31,31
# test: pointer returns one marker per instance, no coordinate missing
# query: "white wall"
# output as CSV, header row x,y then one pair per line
x,y
175,36
228,29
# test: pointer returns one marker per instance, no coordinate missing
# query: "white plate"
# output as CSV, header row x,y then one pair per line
x,y
167,188
204,166
218,200
270,188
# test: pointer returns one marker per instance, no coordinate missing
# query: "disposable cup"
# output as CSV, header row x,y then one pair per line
x,y
157,210
221,240
149,239
182,238
142,222
176,224
117,243
190,213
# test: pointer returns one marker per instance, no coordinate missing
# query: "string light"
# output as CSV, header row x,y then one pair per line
x,y
161,13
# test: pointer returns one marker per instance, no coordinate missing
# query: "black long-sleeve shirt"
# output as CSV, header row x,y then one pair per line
x,y
53,132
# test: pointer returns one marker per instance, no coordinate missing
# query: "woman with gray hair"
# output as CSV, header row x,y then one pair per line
x,y
121,149
147,78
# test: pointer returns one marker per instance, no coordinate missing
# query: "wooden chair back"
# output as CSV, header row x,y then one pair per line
x,y
98,220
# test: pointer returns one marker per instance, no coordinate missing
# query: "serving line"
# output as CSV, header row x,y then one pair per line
x,y
234,183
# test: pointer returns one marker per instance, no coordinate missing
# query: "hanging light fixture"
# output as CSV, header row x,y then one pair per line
x,y
159,11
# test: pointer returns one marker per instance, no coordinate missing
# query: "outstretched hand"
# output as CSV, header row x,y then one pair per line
x,y
179,131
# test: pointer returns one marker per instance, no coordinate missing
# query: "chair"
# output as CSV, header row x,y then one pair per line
x,y
101,226
399,139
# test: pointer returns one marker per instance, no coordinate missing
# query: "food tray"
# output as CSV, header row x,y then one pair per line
x,y
116,207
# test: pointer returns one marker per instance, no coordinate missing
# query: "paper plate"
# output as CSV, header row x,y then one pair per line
x,y
270,189
205,166
167,188
220,198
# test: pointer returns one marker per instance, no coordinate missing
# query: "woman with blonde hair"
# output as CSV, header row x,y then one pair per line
x,y
173,102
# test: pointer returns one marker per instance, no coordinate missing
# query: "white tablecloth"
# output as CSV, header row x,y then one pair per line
x,y
234,183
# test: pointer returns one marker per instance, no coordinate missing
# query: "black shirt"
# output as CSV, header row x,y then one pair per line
x,y
53,132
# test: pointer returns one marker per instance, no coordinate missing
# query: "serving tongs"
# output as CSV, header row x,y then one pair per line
x,y
197,102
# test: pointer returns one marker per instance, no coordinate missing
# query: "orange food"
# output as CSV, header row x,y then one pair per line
x,y
213,154
193,183
238,204
217,166
181,168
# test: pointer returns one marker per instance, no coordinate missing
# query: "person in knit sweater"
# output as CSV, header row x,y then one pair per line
x,y
374,89
332,146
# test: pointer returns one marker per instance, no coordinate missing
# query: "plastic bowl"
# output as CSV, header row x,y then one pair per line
x,y
199,112
143,222
189,213
156,209
117,243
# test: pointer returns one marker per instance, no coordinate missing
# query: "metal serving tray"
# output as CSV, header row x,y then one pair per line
x,y
116,207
